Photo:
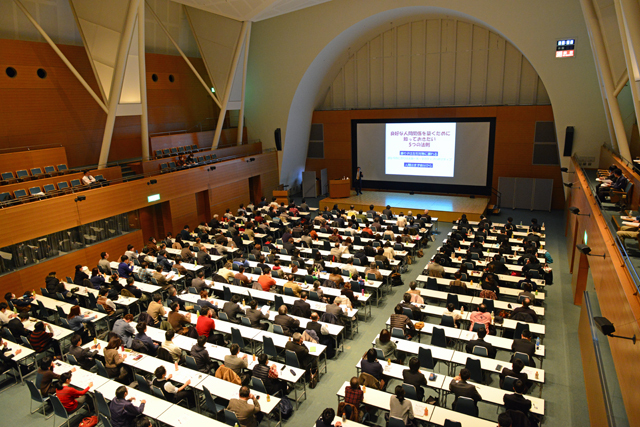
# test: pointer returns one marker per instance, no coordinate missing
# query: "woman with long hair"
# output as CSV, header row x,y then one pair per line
x,y
70,397
401,407
113,361
78,321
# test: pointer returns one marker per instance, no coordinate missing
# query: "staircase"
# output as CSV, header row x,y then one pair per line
x,y
128,174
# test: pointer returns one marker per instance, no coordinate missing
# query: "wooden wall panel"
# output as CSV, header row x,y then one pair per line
x,y
228,196
61,213
269,181
513,149
58,110
184,211
32,158
201,139
615,290
33,277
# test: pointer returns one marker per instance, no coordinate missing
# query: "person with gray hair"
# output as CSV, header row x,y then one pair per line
x,y
306,361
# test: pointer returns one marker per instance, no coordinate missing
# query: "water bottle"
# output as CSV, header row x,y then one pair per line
x,y
538,343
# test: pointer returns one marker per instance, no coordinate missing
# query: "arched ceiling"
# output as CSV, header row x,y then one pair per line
x,y
251,10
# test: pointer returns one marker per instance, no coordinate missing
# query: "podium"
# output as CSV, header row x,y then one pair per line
x,y
339,188
281,196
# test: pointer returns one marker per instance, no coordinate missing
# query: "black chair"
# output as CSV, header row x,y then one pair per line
x,y
449,423
447,321
60,411
520,327
480,351
210,404
507,384
278,301
439,338
466,405
396,422
426,359
230,418
269,348
36,396
410,391
475,368
432,284
143,384
453,299
407,312
291,359
101,403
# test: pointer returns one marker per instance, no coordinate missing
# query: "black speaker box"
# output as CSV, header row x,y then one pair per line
x,y
604,325
278,137
568,142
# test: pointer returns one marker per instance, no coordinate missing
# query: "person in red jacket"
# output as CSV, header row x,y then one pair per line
x,y
71,398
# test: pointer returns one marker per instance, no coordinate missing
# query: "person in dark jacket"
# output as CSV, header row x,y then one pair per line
x,y
152,347
84,356
53,285
123,411
288,323
261,371
233,309
201,355
16,325
78,279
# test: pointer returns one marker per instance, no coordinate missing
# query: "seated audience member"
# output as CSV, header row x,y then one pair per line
x,y
370,365
123,411
451,311
400,320
480,316
399,407
460,387
70,397
201,355
306,361
206,326
288,323
326,419
266,281
255,315
16,325
178,321
124,330
480,342
269,375
525,345
353,394
517,402
414,377
113,361
172,393
84,356
248,414
151,346
47,376
80,275
171,347
156,309
516,372
237,364
526,310
232,309
42,340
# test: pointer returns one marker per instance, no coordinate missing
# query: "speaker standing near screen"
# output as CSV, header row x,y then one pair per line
x,y
358,181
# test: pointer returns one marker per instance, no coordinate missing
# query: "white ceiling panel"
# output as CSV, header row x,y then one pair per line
x,y
250,10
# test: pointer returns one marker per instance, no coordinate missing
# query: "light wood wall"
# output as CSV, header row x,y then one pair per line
x,y
513,149
614,287
36,219
58,110
33,277
201,139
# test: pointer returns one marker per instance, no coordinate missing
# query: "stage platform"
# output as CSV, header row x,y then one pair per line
x,y
445,208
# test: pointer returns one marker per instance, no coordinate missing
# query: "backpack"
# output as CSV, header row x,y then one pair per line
x,y
88,421
139,346
286,408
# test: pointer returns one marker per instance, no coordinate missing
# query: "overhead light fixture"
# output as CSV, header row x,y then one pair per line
x,y
80,198
607,328
587,250
576,211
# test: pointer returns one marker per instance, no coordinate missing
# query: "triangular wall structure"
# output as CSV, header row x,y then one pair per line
x,y
217,38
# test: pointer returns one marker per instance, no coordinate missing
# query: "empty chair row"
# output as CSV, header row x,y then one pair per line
x,y
33,173
36,193
176,151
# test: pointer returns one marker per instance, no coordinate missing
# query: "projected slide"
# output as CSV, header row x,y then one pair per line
x,y
420,149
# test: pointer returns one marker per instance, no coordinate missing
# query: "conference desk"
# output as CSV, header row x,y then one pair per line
x,y
335,331
85,291
467,299
504,290
24,354
154,407
339,188
439,311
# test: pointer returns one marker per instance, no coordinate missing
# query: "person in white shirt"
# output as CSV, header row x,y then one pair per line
x,y
171,347
87,179
351,268
389,252
5,315
131,252
401,221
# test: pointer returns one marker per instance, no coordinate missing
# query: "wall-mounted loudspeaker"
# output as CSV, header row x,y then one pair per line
x,y
568,142
278,137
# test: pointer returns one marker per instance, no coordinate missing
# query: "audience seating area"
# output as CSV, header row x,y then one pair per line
x,y
177,151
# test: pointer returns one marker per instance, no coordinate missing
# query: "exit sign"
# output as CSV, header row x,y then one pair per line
x,y
565,48
153,198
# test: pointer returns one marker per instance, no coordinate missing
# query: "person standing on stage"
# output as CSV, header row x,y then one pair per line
x,y
358,181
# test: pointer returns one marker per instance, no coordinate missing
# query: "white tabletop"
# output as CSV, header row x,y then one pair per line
x,y
154,406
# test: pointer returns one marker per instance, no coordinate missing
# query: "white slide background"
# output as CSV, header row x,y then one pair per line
x,y
471,154
420,149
